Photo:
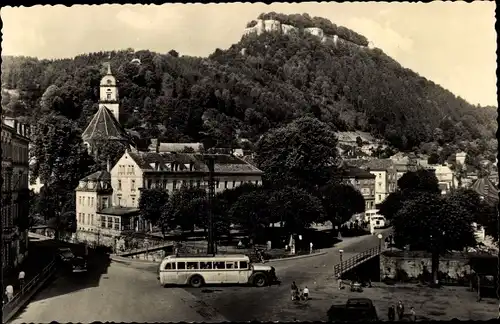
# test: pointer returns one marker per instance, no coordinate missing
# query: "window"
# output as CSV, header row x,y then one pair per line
x,y
110,222
92,202
198,183
219,265
105,202
206,265
170,266
380,184
192,265
243,265
88,201
119,185
79,199
109,81
191,183
148,184
117,223
217,184
234,184
103,221
231,265
108,96
133,201
132,185
181,265
225,184
379,197
256,182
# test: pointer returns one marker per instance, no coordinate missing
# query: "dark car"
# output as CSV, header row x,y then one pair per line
x,y
79,264
65,254
355,310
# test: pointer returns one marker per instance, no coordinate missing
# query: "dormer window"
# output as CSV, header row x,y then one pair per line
x,y
91,185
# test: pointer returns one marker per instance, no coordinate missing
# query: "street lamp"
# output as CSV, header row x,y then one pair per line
x,y
380,236
341,265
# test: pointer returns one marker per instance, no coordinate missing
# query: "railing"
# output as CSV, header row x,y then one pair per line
x,y
18,299
350,263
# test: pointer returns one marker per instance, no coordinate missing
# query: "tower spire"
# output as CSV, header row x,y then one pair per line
x,y
109,63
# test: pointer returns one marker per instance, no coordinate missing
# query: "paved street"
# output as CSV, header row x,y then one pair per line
x,y
114,291
273,303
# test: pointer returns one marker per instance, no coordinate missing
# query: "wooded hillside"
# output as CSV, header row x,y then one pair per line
x,y
260,83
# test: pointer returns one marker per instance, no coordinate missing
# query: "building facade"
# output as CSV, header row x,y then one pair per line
x,y
15,192
362,180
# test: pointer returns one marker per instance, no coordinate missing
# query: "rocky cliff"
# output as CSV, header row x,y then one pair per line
x,y
262,26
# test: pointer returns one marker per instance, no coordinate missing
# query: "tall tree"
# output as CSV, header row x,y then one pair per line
x,y
151,203
341,202
435,224
300,153
184,206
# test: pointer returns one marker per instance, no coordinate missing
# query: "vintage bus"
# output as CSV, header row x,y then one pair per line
x,y
196,270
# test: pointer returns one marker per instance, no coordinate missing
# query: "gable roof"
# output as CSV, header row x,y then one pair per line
x,y
485,188
97,176
357,173
104,126
152,161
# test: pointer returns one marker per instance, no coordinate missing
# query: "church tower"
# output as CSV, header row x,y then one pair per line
x,y
108,94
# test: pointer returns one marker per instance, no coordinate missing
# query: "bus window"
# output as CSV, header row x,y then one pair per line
x,y
219,265
243,265
230,265
206,265
192,265
170,266
181,265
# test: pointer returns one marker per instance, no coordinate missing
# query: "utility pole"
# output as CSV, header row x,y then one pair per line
x,y
210,160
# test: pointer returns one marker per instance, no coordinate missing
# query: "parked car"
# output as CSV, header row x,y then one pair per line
x,y
65,254
79,264
355,310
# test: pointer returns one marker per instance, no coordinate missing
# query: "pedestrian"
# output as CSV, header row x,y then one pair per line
x,y
339,282
310,247
413,314
294,289
400,310
9,291
391,313
305,293
21,280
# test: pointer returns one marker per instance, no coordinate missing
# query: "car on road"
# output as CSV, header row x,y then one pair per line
x,y
78,264
355,310
65,254
196,270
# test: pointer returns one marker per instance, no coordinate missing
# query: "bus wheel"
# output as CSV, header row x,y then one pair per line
x,y
196,281
260,280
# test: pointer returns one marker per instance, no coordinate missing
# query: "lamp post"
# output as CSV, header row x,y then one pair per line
x,y
210,160
341,265
380,236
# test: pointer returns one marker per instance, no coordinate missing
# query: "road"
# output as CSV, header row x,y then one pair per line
x,y
273,303
124,292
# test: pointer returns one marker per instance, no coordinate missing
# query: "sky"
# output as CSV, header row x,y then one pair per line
x,y
450,43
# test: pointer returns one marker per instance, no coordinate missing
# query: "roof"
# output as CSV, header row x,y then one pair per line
x,y
104,126
119,211
351,136
98,176
487,189
374,164
175,147
152,161
355,172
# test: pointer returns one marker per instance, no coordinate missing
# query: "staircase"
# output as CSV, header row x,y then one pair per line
x,y
356,260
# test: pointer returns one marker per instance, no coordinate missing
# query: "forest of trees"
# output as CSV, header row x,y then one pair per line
x,y
260,83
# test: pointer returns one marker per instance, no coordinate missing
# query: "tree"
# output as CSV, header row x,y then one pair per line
x,y
359,141
420,180
151,204
340,202
433,158
295,208
251,211
300,153
184,207
60,161
435,224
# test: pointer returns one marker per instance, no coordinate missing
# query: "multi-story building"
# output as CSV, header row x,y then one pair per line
x,y
15,192
362,180
403,164
385,174
107,202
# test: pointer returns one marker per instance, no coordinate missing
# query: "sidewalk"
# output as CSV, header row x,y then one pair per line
x,y
39,256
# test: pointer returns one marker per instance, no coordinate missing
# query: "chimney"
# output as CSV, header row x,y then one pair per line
x,y
156,144
108,166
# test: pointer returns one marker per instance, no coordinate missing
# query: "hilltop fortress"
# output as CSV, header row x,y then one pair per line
x,y
263,26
